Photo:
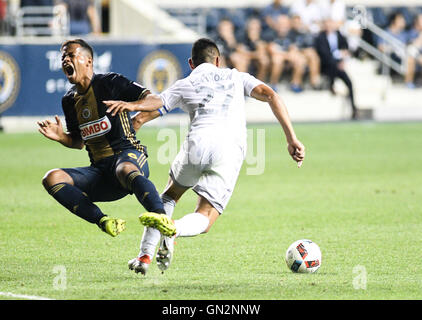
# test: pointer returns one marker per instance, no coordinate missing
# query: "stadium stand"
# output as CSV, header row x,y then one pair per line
x,y
386,78
375,70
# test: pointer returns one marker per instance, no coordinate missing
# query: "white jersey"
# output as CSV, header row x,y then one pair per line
x,y
214,98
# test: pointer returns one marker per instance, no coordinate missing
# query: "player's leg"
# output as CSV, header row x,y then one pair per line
x,y
132,173
69,188
198,222
184,173
151,236
190,225
135,179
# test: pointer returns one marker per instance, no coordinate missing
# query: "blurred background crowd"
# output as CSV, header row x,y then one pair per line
x,y
303,44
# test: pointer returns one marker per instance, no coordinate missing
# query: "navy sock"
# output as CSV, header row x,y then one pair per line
x,y
145,192
76,202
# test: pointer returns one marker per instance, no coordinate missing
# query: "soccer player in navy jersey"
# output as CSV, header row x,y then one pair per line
x,y
118,160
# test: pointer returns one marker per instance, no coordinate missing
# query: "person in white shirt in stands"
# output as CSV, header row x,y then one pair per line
x,y
335,10
214,149
311,13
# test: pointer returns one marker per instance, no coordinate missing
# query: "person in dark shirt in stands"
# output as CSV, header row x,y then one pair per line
x,y
84,17
332,48
414,63
271,13
256,48
232,53
302,41
35,3
397,29
280,53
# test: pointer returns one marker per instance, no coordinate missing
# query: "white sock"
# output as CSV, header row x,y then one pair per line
x,y
168,204
152,236
191,225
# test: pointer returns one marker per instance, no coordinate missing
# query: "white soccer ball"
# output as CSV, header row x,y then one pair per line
x,y
303,256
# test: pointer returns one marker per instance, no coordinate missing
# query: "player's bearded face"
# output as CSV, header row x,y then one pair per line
x,y
75,63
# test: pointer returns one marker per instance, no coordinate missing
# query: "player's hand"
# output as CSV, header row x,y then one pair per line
x,y
297,151
51,130
115,106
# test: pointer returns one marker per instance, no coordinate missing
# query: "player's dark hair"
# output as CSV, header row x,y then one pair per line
x,y
82,43
204,50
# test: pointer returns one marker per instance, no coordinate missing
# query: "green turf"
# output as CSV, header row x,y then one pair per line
x,y
358,195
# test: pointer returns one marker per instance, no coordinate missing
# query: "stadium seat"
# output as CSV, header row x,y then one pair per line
x,y
379,16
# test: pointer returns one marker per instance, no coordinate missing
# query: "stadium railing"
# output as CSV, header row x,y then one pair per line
x,y
42,21
391,45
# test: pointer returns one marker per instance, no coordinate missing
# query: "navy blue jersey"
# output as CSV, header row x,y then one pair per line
x,y
86,117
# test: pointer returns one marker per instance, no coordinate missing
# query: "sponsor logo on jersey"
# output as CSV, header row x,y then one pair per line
x,y
9,81
95,128
159,70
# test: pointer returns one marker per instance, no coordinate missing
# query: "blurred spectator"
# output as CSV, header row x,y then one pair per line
x,y
335,10
332,48
281,51
303,42
30,3
271,13
3,12
310,12
256,48
231,52
415,51
105,16
396,28
84,17
416,28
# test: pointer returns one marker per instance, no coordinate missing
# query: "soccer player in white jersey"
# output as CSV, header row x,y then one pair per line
x,y
213,151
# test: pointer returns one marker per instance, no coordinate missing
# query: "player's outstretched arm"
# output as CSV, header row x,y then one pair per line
x,y
139,119
150,103
54,131
264,93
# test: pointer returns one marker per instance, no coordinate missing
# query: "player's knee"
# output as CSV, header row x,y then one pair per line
x,y
124,169
54,177
126,172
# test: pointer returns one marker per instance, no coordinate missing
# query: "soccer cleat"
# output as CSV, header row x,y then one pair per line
x,y
140,264
165,253
112,226
159,221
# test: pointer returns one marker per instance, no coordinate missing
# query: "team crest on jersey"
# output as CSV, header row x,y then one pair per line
x,y
159,70
86,113
95,128
9,81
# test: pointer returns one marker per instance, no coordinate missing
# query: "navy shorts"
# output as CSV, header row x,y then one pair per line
x,y
99,181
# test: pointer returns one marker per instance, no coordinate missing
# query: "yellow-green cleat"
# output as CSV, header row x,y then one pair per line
x,y
159,221
112,226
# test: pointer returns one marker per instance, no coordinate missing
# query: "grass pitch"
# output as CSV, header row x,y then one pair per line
x,y
358,196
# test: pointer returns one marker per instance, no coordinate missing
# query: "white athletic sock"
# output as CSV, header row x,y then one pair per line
x,y
152,236
191,225
169,205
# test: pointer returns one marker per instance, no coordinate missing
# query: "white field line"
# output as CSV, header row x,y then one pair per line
x,y
23,296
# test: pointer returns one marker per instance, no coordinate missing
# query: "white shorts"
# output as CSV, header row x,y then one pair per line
x,y
208,167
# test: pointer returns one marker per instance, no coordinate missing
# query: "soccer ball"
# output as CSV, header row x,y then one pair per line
x,y
303,256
